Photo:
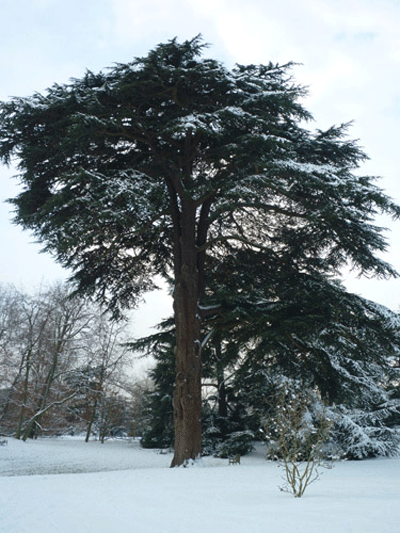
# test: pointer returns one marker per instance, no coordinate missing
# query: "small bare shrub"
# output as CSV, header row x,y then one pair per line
x,y
298,430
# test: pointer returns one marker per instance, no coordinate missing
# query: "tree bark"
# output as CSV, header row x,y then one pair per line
x,y
92,417
25,394
187,394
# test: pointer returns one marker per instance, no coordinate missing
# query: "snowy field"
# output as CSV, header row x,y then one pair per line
x,y
68,486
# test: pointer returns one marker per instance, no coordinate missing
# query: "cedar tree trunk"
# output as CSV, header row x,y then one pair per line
x,y
187,394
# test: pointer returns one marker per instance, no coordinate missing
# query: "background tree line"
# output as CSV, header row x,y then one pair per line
x,y
63,367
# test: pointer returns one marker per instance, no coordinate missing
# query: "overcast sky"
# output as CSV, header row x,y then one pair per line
x,y
348,50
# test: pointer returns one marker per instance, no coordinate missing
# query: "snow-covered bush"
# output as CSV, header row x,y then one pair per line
x,y
359,434
238,443
211,439
298,429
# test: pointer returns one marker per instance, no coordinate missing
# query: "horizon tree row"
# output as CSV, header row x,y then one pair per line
x,y
63,366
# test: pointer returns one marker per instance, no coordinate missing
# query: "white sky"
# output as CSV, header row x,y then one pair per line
x,y
349,52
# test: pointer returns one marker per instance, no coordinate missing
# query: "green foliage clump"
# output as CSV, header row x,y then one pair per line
x,y
238,443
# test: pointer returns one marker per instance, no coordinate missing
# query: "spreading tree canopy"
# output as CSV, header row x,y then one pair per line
x,y
166,165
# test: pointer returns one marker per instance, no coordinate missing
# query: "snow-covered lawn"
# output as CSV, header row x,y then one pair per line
x,y
68,486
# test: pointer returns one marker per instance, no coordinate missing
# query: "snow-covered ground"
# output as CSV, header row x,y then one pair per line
x,y
68,486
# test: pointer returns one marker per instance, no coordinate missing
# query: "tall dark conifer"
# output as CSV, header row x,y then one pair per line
x,y
158,166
